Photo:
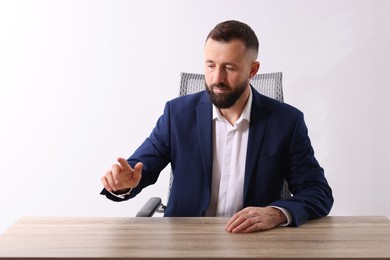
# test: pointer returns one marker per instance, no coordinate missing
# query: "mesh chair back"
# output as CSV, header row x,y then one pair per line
x,y
269,84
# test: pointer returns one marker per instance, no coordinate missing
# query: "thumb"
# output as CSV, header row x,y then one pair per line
x,y
138,171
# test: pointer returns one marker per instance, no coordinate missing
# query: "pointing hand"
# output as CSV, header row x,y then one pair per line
x,y
122,177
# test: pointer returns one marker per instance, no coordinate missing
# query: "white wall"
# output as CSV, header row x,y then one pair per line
x,y
83,82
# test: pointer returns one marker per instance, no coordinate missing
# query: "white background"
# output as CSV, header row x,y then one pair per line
x,y
83,82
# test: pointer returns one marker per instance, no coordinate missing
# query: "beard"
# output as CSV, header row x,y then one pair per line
x,y
228,99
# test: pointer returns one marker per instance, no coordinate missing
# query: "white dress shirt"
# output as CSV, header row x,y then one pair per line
x,y
230,144
229,154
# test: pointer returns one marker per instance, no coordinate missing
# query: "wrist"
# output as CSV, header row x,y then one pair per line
x,y
287,218
120,192
281,216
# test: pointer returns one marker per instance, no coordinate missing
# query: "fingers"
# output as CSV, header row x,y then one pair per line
x,y
137,174
111,179
241,221
115,175
124,164
246,225
122,176
253,219
106,184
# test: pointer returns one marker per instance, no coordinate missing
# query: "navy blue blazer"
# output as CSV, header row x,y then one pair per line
x,y
278,148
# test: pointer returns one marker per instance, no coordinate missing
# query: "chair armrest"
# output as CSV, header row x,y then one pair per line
x,y
151,206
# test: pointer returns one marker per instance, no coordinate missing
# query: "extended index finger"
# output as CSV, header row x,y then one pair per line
x,y
124,164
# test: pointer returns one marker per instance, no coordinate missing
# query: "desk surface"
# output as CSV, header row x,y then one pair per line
x,y
148,238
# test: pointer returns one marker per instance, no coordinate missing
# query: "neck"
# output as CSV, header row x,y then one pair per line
x,y
233,113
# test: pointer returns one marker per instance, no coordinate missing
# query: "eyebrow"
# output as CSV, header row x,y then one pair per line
x,y
225,63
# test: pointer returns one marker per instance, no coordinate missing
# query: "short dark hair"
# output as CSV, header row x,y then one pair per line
x,y
231,30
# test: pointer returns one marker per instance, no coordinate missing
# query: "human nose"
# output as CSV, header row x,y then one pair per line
x,y
219,76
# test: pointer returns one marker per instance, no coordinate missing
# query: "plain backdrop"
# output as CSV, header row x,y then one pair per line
x,y
83,82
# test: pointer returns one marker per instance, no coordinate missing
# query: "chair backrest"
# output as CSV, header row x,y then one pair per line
x,y
268,84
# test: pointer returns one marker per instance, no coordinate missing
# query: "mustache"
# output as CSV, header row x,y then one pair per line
x,y
219,85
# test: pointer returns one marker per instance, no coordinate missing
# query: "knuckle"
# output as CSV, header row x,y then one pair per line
x,y
250,229
115,168
250,221
241,218
116,179
260,226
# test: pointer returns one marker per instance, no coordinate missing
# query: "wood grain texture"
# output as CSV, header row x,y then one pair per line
x,y
151,238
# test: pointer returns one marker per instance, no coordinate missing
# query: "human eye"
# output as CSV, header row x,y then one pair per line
x,y
230,68
210,65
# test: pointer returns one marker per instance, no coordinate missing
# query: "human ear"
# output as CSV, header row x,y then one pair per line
x,y
255,66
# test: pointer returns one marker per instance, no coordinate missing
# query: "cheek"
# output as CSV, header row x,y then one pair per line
x,y
210,77
238,81
234,78
207,79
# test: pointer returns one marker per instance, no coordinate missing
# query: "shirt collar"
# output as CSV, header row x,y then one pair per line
x,y
246,113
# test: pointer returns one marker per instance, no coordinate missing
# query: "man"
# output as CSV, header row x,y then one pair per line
x,y
230,148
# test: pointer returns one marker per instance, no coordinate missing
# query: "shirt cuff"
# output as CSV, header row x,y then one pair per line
x,y
121,196
287,214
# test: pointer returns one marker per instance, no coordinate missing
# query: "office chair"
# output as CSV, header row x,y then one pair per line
x,y
269,84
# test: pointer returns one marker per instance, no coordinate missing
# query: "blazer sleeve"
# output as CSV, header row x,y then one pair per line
x,y
154,153
312,197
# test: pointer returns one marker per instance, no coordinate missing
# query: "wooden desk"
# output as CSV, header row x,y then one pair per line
x,y
149,238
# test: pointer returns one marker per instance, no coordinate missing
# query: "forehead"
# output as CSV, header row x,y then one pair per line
x,y
233,51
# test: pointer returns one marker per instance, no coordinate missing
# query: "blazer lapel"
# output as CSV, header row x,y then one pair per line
x,y
204,123
258,122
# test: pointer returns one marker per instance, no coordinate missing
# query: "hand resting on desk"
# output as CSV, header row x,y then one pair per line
x,y
252,219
